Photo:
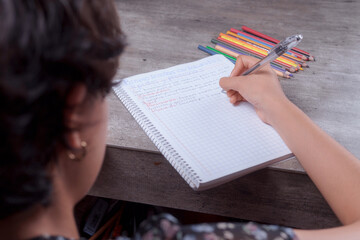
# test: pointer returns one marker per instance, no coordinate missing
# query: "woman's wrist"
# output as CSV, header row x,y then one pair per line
x,y
275,108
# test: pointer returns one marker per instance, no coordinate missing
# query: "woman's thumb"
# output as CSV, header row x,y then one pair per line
x,y
228,83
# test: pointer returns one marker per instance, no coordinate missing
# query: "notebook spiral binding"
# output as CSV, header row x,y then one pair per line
x,y
160,142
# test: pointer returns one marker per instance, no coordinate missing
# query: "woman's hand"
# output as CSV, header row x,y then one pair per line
x,y
262,88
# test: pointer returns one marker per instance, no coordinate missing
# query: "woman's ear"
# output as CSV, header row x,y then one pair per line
x,y
73,115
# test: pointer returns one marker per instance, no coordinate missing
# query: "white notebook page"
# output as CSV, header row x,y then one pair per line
x,y
186,105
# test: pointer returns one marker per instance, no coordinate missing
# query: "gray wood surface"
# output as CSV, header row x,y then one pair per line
x,y
164,33
268,196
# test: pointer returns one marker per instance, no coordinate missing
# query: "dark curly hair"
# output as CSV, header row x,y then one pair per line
x,y
46,48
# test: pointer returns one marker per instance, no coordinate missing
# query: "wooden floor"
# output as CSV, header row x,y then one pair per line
x,y
164,33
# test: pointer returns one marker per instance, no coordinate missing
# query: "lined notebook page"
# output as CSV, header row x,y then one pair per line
x,y
185,104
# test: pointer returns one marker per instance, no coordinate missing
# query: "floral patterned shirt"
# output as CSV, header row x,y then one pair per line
x,y
167,227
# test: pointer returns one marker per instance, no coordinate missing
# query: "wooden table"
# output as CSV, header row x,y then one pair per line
x,y
163,33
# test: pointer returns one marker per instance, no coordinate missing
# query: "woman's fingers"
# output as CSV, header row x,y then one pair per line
x,y
236,98
229,93
242,63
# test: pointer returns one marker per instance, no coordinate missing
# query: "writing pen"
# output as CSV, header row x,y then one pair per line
x,y
275,52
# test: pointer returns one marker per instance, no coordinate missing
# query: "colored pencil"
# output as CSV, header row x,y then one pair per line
x,y
261,52
208,51
264,44
235,53
236,42
259,34
212,51
226,55
299,55
257,49
240,51
270,44
239,47
267,48
255,39
288,67
223,49
279,73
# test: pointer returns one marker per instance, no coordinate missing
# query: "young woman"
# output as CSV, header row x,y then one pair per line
x,y
57,61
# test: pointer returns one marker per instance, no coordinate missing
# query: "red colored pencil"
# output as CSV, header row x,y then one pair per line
x,y
259,34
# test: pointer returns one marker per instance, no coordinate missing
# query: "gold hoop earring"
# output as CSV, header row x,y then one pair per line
x,y
79,157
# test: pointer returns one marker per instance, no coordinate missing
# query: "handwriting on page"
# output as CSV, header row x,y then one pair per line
x,y
183,85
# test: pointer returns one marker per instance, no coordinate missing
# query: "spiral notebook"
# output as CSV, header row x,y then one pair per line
x,y
204,137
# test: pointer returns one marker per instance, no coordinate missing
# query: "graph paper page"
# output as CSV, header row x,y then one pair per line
x,y
186,105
